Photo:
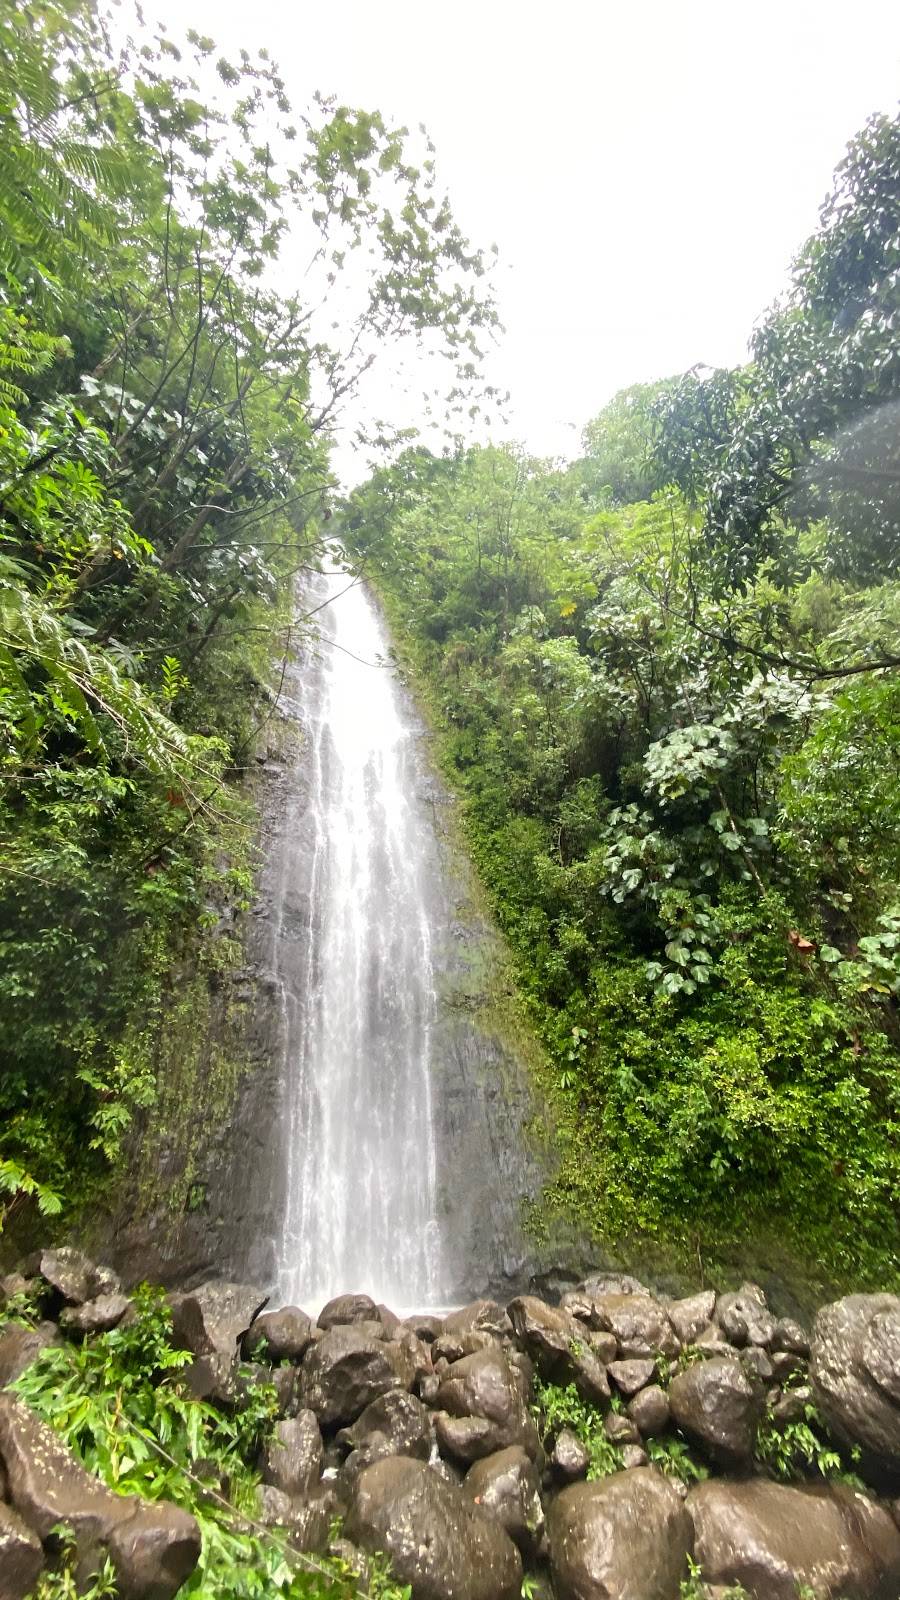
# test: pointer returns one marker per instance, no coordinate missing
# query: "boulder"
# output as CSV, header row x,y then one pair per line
x,y
755,1361
293,1456
640,1324
75,1277
154,1551
630,1376
391,1323
274,1508
559,1346
345,1371
691,1315
410,1357
855,1375
346,1309
283,1335
484,1387
626,1537
100,1315
717,1405
791,1337
779,1539
634,1456
154,1546
744,1316
484,1315
649,1411
437,1540
426,1327
613,1283
569,1457
506,1486
211,1322
397,1421
619,1429
20,1346
453,1346
21,1557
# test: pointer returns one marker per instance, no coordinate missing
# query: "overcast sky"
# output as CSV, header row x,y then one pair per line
x,y
647,170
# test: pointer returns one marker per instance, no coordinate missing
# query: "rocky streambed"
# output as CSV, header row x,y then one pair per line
x,y
615,1445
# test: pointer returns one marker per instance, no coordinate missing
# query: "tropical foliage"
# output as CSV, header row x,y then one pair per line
x,y
665,684
165,416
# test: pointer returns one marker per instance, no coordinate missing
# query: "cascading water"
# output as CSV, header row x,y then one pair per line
x,y
358,983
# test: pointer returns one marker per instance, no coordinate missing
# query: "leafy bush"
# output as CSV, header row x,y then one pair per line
x,y
117,1402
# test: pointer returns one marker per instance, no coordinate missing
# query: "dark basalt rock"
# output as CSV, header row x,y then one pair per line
x,y
776,1539
855,1374
154,1546
95,1316
211,1322
744,1317
559,1345
283,1335
506,1486
20,1346
626,1537
691,1315
398,1420
718,1407
569,1457
484,1316
630,1376
21,1557
438,1541
344,1372
75,1276
293,1457
346,1309
649,1411
640,1324
484,1388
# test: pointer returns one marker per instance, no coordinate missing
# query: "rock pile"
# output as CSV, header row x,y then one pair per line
x,y
420,1434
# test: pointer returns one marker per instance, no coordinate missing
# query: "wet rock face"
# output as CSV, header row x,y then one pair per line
x,y
623,1538
855,1373
776,1539
436,1537
718,1406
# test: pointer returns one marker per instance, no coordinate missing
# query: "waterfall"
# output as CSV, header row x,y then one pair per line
x,y
354,961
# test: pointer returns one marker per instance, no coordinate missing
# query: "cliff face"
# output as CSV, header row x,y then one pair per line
x,y
207,1190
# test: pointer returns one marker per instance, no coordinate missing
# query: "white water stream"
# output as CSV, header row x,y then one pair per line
x,y
358,988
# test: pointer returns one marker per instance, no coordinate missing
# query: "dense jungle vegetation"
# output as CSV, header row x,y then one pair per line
x,y
165,413
665,681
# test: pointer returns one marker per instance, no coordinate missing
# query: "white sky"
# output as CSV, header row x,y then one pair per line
x,y
646,170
